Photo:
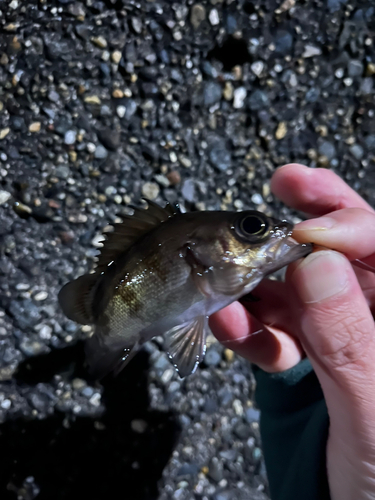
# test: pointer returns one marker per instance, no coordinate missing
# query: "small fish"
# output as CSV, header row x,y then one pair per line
x,y
163,272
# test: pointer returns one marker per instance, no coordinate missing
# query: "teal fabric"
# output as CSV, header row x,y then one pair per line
x,y
294,428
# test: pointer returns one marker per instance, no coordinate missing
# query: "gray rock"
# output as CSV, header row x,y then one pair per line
x,y
100,152
212,93
283,42
219,156
355,68
4,197
370,142
327,149
62,172
215,470
258,100
70,137
213,357
357,151
188,190
252,415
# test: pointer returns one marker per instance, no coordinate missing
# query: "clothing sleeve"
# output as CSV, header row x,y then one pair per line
x,y
294,429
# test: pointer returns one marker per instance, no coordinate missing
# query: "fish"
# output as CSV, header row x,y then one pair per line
x,y
162,272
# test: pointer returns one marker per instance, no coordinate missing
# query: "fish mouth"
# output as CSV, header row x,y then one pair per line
x,y
290,251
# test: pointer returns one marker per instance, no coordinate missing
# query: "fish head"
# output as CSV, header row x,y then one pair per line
x,y
244,247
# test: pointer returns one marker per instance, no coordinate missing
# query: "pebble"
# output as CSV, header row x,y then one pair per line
x,y
237,407
355,68
214,18
139,426
100,152
252,415
99,41
92,99
70,137
45,332
357,151
212,358
197,15
6,404
35,127
4,132
219,156
281,131
311,51
228,91
95,399
239,97
188,190
150,190
258,100
257,67
327,149
4,196
40,296
121,110
116,56
257,199
91,147
174,177
212,93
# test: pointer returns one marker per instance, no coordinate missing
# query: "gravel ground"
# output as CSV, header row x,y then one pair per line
x,y
101,103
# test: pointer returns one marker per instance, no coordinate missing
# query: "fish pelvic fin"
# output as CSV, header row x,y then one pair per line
x,y
105,356
75,299
128,232
186,345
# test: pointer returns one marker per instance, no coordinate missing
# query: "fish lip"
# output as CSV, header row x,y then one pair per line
x,y
295,252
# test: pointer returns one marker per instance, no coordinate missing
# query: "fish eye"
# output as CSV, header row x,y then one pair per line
x,y
252,226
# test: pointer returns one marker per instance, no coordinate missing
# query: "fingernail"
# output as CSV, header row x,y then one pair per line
x,y
320,224
321,275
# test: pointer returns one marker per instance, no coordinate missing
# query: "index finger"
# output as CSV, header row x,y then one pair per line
x,y
315,191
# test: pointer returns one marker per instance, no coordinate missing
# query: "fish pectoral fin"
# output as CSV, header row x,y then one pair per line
x,y
104,356
186,345
75,299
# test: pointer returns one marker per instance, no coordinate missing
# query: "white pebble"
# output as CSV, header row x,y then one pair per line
x,y
91,147
239,96
4,197
311,51
5,405
95,399
121,110
45,332
257,199
213,16
257,67
41,296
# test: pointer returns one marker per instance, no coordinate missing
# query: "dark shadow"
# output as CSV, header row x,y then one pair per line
x,y
100,458
231,53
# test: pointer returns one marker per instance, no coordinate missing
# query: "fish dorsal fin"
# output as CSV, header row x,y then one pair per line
x,y
186,345
130,230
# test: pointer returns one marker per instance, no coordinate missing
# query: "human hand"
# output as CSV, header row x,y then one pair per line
x,y
323,310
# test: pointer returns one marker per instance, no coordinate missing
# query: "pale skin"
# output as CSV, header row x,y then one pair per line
x,y
323,310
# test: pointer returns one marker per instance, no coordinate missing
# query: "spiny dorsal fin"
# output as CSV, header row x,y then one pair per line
x,y
133,227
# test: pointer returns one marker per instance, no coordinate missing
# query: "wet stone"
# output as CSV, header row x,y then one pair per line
x,y
212,93
212,358
327,149
188,190
357,151
100,152
258,100
219,156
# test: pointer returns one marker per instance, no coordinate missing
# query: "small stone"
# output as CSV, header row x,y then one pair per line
x,y
136,25
257,199
150,190
139,426
252,415
327,149
174,177
357,151
197,15
339,73
212,93
13,4
239,97
90,146
73,156
4,197
215,470
117,94
45,332
95,399
99,41
186,162
116,56
167,375
229,355
258,100
121,110
40,296
188,190
257,67
35,127
53,96
6,404
355,68
100,152
281,131
212,358
311,51
228,91
214,18
162,180
370,69
219,156
237,407
70,137
62,172
92,99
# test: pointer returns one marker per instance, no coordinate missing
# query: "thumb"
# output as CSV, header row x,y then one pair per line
x,y
337,333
